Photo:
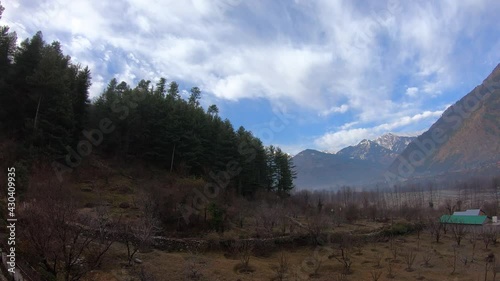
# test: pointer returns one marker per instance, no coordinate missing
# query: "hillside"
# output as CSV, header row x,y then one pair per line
x,y
465,138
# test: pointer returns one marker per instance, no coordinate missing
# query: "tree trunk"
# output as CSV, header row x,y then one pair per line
x,y
172,161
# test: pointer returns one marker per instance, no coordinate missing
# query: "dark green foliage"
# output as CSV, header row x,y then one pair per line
x,y
180,136
280,169
217,217
44,107
401,229
44,97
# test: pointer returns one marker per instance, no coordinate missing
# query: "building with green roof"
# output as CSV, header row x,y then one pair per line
x,y
460,219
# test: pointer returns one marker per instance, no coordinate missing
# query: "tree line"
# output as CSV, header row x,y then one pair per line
x,y
45,109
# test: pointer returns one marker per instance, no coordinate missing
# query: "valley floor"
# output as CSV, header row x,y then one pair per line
x,y
369,261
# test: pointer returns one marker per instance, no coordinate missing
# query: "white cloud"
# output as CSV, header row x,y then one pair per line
x,y
334,141
335,109
322,56
411,91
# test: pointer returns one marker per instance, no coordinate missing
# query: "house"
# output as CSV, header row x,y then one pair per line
x,y
470,212
464,219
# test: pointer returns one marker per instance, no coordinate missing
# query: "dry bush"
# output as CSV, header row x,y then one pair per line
x,y
193,269
243,250
390,269
409,258
143,275
375,275
265,220
316,226
395,248
341,277
282,268
59,237
426,259
378,261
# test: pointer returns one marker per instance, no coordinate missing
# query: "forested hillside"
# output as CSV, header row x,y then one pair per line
x,y
45,110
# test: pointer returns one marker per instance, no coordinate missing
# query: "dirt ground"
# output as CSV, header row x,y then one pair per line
x,y
369,261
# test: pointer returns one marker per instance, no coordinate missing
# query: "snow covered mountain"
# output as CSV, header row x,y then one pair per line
x,y
393,142
359,164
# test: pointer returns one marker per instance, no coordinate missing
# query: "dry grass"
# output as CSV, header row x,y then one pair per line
x,y
431,261
215,266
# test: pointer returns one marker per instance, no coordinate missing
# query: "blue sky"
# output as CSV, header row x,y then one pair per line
x,y
299,74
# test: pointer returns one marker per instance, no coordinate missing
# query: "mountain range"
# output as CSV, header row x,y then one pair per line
x,y
360,164
465,140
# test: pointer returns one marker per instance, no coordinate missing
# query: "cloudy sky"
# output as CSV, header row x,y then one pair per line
x,y
299,74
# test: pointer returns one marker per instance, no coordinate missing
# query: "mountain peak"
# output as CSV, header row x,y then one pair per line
x,y
394,142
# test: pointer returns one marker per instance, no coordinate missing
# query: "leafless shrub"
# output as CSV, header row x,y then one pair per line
x,y
375,275
394,248
193,270
378,261
317,225
244,249
426,259
341,277
60,237
282,268
409,258
265,221
144,275
390,270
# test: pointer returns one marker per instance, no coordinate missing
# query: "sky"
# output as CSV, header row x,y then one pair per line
x,y
299,74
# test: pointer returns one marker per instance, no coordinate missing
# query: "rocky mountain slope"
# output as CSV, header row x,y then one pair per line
x,y
466,138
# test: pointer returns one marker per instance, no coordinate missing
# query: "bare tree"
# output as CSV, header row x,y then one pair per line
x,y
459,231
473,237
139,233
59,236
435,228
489,263
343,255
488,235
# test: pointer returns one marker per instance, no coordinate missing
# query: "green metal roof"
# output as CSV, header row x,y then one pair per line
x,y
463,219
